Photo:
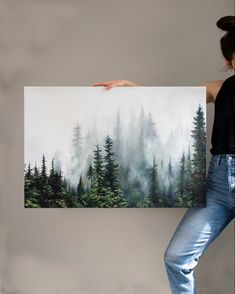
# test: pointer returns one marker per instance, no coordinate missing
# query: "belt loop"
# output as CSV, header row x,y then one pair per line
x,y
220,156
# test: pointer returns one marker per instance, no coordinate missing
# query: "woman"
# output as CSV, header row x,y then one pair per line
x,y
200,226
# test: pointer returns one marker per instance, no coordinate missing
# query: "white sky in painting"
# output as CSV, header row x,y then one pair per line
x,y
51,113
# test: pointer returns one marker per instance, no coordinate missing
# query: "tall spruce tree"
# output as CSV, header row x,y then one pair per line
x,y
154,190
185,183
89,178
32,186
181,181
110,167
170,178
80,187
98,172
28,181
36,178
198,135
189,179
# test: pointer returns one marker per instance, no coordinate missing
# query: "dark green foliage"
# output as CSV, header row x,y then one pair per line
x,y
112,178
80,187
192,172
103,188
185,192
181,181
98,172
31,193
199,157
134,195
171,186
110,168
154,189
43,190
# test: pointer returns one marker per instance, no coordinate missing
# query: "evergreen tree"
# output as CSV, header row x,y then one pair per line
x,y
90,172
199,157
57,188
80,187
182,176
89,177
154,190
114,197
189,179
98,171
71,197
182,193
30,193
170,177
111,168
36,178
45,191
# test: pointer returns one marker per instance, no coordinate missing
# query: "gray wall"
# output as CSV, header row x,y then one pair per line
x,y
99,251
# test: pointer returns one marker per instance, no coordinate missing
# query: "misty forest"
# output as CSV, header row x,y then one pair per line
x,y
117,171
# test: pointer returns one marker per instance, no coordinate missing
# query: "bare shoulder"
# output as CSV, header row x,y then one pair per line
x,y
212,89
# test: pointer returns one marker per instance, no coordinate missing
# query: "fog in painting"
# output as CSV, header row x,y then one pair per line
x,y
125,147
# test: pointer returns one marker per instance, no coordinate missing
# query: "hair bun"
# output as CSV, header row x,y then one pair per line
x,y
227,23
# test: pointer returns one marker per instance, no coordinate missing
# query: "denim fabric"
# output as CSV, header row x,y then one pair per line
x,y
199,227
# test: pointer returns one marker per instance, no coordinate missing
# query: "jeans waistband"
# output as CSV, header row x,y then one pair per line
x,y
219,158
224,155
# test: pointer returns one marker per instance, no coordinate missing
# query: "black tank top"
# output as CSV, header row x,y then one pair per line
x,y
223,132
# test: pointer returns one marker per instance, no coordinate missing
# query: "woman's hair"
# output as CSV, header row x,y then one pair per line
x,y
227,42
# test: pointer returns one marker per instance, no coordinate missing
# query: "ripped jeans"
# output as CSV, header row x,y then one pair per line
x,y
199,227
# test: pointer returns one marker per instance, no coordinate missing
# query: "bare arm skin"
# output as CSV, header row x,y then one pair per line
x,y
212,88
115,83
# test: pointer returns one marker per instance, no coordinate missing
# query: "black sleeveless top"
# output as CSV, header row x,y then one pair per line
x,y
223,133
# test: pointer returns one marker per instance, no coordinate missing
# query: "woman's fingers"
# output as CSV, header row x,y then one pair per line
x,y
100,84
114,83
108,84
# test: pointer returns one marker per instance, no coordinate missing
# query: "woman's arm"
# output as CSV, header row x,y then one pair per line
x,y
212,88
115,83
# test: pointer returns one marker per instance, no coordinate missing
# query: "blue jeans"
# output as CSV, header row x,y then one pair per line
x,y
199,227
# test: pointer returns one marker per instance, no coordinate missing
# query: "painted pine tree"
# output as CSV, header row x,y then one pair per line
x,y
154,194
198,135
181,197
111,173
170,178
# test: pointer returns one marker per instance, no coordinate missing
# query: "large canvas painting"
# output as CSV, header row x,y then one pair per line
x,y
128,147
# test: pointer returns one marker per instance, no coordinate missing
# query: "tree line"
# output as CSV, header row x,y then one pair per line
x,y
106,180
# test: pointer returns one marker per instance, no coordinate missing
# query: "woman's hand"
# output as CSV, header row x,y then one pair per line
x,y
115,83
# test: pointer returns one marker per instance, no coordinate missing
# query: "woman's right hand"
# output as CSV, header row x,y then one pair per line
x,y
115,83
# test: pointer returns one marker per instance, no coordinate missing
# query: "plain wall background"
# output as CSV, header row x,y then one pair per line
x,y
64,43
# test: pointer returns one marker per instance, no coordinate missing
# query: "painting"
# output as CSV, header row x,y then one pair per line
x,y
128,147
